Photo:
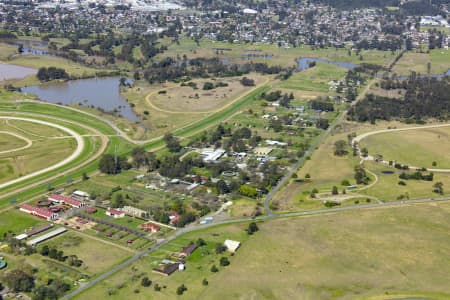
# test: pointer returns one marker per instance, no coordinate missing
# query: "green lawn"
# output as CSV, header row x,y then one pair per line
x,y
17,222
314,79
419,148
368,254
97,256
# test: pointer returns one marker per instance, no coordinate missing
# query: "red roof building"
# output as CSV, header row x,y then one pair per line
x,y
150,227
66,200
44,213
174,217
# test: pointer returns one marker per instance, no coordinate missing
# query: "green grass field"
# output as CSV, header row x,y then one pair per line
x,y
98,257
17,222
387,187
371,254
10,142
439,60
314,79
45,151
280,55
419,148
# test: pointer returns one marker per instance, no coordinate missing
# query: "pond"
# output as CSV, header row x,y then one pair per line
x,y
31,47
102,93
8,71
303,63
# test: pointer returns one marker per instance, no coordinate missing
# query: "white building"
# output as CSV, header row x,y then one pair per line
x,y
231,245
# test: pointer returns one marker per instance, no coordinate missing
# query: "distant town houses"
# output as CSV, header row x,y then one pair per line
x,y
310,23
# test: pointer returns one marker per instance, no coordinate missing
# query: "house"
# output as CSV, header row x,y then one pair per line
x,y
262,150
115,213
231,245
275,143
210,155
150,227
188,250
65,200
44,213
168,269
80,195
173,217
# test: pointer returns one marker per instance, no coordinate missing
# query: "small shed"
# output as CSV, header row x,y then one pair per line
x,y
231,245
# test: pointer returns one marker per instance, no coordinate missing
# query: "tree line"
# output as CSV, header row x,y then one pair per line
x,y
424,98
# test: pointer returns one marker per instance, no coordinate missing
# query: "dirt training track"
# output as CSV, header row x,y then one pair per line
x,y
74,155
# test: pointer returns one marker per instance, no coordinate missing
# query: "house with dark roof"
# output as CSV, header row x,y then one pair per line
x,y
168,269
187,251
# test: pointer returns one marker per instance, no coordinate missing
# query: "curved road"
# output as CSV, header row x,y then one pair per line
x,y
102,148
360,137
28,141
80,146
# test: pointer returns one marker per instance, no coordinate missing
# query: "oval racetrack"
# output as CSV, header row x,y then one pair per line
x,y
74,155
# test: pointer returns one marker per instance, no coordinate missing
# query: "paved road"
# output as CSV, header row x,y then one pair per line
x,y
74,155
311,149
181,231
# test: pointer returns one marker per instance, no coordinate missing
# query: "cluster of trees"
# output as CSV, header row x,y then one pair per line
x,y
284,99
252,228
340,148
51,73
424,98
323,105
392,44
54,253
23,280
172,143
361,176
111,164
417,176
211,85
142,158
170,69
245,81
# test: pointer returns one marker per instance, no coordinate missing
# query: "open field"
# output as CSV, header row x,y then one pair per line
x,y
9,141
98,257
329,257
319,257
238,53
439,60
387,187
413,147
157,122
314,79
6,51
124,283
17,222
185,99
327,170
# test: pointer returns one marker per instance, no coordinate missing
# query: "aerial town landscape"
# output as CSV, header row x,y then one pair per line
x,y
214,149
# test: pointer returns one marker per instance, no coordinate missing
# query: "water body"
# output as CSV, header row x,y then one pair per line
x,y
100,93
14,72
33,48
303,63
30,47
